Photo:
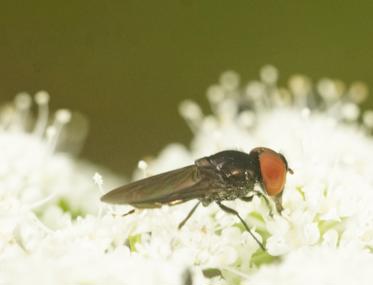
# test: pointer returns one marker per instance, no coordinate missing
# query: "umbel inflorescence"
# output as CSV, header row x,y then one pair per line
x,y
54,229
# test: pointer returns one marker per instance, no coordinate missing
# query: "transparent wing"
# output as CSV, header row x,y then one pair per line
x,y
173,187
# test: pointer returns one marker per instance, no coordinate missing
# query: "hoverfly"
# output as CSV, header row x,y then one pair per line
x,y
226,175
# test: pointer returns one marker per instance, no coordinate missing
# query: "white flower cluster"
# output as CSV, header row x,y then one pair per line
x,y
54,229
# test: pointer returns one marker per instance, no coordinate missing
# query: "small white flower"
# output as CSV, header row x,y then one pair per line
x,y
318,265
55,230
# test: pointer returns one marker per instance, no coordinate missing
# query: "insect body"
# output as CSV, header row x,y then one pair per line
x,y
226,175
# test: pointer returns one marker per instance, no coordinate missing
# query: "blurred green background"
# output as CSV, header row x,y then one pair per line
x,y
127,64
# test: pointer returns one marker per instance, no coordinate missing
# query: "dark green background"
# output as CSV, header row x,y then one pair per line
x,y
127,64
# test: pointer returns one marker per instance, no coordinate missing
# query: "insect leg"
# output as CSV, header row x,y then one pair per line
x,y
129,212
250,198
189,215
260,194
247,199
234,212
278,203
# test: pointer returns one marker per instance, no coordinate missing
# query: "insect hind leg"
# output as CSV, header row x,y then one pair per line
x,y
188,216
234,212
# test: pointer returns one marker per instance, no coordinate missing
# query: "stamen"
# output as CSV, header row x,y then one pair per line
x,y
246,119
281,97
300,87
269,74
143,166
256,93
62,117
358,92
350,112
99,181
192,114
227,110
230,80
7,114
368,119
42,100
38,223
22,103
215,95
329,91
42,202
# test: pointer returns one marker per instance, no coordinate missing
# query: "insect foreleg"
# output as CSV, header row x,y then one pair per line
x,y
234,212
260,194
188,216
268,203
247,199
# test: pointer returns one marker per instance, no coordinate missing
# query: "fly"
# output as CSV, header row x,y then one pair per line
x,y
226,175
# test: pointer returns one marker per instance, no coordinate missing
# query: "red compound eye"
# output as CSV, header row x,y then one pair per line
x,y
273,171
